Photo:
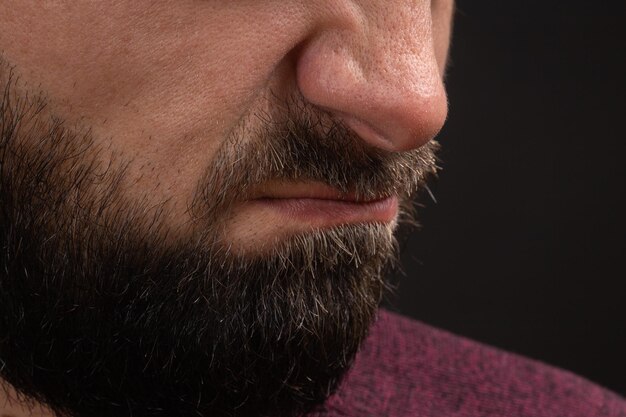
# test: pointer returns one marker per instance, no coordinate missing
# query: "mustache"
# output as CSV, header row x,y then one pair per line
x,y
308,145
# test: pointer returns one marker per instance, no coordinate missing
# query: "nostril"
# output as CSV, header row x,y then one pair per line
x,y
368,133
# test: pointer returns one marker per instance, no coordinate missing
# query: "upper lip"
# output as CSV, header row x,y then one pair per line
x,y
313,190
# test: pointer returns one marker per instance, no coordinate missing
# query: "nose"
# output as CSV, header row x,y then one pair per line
x,y
376,70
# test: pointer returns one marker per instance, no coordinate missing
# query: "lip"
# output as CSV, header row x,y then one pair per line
x,y
308,190
325,212
318,205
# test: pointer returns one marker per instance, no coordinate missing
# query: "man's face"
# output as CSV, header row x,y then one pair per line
x,y
199,197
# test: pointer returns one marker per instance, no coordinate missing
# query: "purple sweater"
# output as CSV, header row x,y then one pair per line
x,y
408,369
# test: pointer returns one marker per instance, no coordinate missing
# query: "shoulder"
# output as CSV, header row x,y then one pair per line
x,y
408,369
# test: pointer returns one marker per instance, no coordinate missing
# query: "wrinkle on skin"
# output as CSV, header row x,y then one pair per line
x,y
144,77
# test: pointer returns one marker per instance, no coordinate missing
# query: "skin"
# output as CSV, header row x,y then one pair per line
x,y
162,83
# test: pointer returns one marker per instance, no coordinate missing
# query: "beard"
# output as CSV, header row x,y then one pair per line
x,y
105,311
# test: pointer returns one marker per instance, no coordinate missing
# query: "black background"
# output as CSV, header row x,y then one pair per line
x,y
525,248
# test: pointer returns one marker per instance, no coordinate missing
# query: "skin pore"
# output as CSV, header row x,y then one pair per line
x,y
138,140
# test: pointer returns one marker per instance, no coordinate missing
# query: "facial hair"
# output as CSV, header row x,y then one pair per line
x,y
104,311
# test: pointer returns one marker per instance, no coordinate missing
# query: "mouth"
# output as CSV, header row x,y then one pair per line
x,y
319,205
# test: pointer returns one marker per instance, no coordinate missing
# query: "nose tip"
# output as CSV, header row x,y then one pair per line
x,y
395,102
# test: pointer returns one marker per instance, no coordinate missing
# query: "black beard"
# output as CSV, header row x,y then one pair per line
x,y
102,315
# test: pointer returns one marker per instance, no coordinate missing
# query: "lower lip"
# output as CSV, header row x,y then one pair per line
x,y
323,212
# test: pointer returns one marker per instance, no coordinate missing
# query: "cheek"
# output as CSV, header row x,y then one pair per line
x,y
161,84
125,62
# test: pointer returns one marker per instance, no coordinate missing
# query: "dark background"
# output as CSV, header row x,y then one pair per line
x,y
525,248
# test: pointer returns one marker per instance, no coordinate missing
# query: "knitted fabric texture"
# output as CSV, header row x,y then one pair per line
x,y
408,369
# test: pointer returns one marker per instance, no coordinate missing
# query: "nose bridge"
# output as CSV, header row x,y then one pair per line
x,y
378,73
398,51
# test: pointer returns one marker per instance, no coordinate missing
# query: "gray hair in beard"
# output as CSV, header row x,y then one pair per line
x,y
100,316
306,144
